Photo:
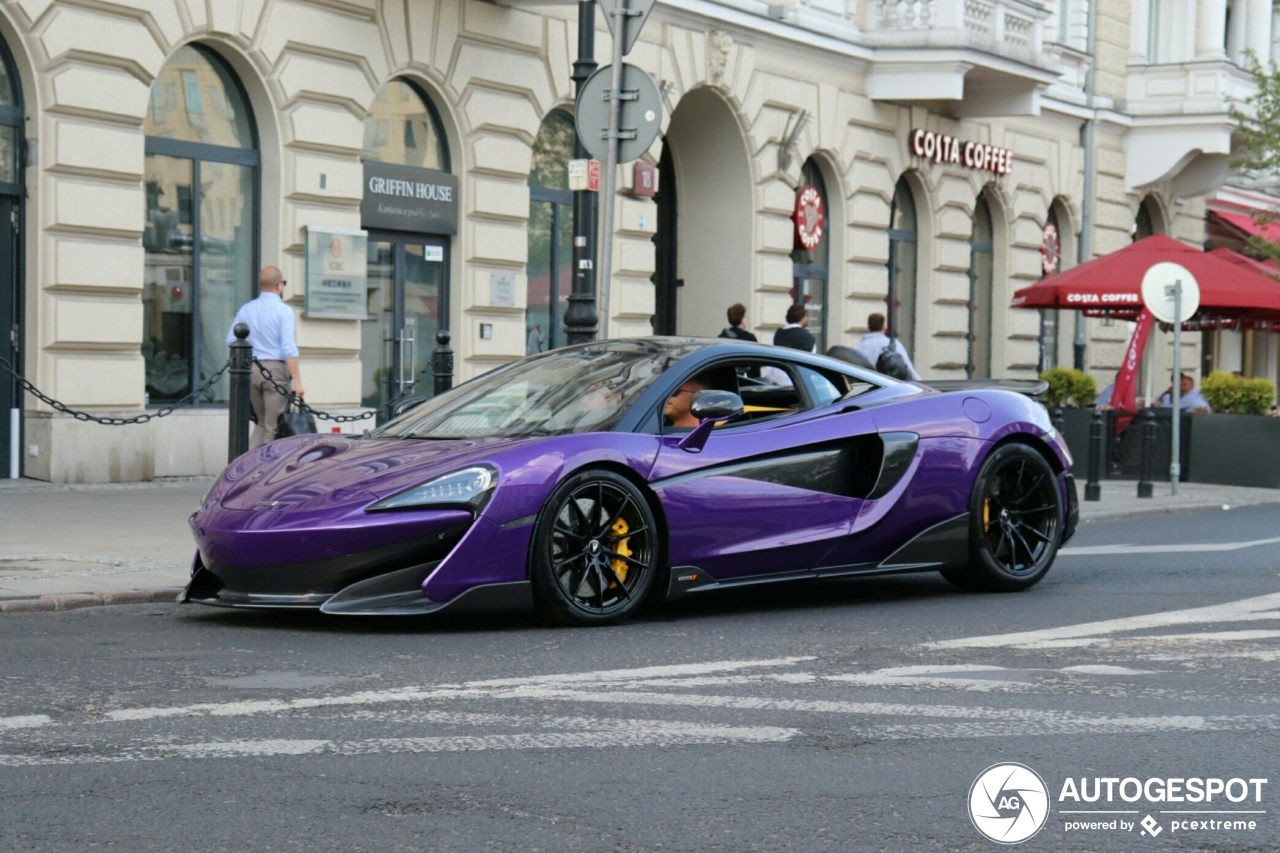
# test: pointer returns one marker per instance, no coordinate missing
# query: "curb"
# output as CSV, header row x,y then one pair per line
x,y
47,603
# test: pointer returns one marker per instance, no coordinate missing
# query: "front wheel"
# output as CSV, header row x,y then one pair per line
x,y
1015,522
595,550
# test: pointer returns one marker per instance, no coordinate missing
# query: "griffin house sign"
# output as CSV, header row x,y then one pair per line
x,y
941,148
402,198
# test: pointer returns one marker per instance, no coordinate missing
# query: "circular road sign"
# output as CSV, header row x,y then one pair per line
x,y
1157,292
639,113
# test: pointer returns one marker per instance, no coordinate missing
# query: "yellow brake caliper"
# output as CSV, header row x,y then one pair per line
x,y
620,528
986,513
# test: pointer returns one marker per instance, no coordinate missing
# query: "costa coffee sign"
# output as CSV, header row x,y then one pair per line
x,y
809,217
941,148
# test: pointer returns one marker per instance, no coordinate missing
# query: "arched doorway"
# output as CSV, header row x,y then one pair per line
x,y
11,278
903,241
703,261
408,262
810,267
549,271
981,286
201,231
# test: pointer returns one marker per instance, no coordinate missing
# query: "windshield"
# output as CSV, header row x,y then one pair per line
x,y
578,389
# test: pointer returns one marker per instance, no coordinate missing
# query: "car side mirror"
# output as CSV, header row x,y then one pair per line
x,y
710,407
407,404
716,405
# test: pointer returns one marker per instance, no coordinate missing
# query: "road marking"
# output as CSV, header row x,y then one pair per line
x,y
477,689
613,733
981,677
1105,550
1245,610
29,722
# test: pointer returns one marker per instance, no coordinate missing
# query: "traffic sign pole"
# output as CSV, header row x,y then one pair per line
x,y
1175,466
611,166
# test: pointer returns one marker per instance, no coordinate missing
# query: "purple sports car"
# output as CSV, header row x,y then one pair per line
x,y
558,483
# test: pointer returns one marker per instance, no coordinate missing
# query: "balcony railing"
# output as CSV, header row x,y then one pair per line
x,y
1006,27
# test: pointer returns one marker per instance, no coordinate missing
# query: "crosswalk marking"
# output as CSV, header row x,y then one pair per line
x,y
1260,608
1108,550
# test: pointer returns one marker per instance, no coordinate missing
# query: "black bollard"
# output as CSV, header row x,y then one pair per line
x,y
1058,419
1147,459
442,362
1093,488
238,408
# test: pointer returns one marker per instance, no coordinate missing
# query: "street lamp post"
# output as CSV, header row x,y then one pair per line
x,y
580,316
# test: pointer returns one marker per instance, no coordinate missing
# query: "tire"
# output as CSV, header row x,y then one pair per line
x,y
1016,520
595,553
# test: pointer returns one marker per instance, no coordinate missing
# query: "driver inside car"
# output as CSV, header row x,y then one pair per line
x,y
677,409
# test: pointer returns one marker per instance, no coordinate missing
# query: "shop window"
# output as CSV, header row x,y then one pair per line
x,y
403,129
981,285
810,267
201,229
549,272
901,309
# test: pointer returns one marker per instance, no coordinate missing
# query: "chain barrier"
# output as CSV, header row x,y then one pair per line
x,y
140,419
338,419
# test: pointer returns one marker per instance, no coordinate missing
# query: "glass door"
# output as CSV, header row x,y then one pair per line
x,y
406,301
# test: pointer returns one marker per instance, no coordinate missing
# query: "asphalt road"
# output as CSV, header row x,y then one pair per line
x,y
844,715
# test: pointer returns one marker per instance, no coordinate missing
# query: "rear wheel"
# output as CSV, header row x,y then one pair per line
x,y
595,553
1015,522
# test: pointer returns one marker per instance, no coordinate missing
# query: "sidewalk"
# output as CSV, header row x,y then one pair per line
x,y
63,547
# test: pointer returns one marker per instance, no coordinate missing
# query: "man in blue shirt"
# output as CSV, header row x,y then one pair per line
x,y
1190,400
272,328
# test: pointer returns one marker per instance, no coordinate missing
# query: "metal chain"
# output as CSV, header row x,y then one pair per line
x,y
140,419
303,407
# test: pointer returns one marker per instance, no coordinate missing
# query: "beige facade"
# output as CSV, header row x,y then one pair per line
x,y
735,81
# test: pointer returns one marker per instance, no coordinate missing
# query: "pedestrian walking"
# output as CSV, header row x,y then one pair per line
x,y
273,334
737,328
886,353
795,334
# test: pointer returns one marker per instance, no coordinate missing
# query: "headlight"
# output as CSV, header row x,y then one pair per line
x,y
470,487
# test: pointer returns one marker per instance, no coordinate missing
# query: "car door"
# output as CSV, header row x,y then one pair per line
x,y
769,496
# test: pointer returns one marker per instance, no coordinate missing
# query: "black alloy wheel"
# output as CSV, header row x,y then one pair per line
x,y
595,552
1015,522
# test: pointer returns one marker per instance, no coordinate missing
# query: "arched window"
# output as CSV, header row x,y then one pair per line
x,y
1050,263
403,128
11,278
981,283
201,232
810,268
1146,222
550,270
902,309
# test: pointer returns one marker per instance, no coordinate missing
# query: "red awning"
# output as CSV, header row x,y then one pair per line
x,y
1245,227
1230,288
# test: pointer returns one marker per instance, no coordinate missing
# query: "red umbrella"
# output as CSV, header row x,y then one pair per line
x,y
1112,285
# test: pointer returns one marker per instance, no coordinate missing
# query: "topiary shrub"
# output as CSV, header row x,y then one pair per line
x,y
1068,386
1227,393
1257,396
1221,389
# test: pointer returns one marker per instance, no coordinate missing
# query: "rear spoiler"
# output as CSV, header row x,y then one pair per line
x,y
1033,388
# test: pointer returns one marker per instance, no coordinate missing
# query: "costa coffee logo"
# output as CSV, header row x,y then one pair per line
x,y
1050,249
809,217
941,148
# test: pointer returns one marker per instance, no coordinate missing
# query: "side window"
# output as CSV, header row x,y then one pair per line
x,y
822,389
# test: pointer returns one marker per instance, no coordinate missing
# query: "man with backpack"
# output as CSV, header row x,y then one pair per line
x,y
886,353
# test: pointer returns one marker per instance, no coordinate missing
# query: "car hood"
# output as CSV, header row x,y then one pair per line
x,y
315,472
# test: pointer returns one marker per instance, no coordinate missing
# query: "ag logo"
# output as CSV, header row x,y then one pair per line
x,y
1008,803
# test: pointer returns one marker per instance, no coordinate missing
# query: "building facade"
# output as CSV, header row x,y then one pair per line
x,y
155,156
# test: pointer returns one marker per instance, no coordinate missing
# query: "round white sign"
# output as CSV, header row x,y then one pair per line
x,y
1158,292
